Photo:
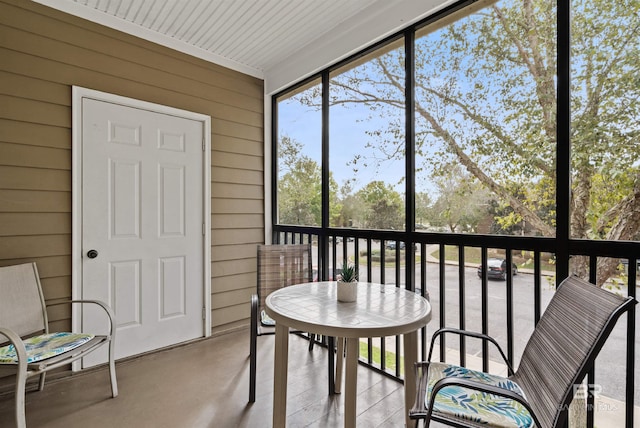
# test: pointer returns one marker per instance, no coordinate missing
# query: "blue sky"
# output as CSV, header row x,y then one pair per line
x,y
347,140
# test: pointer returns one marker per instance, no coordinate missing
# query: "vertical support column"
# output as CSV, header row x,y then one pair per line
x,y
323,238
537,287
563,141
461,304
410,158
510,329
274,173
485,308
631,335
443,300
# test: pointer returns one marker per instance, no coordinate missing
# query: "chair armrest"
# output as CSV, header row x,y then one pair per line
x,y
16,341
104,306
481,387
474,334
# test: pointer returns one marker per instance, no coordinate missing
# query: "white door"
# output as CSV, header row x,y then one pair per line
x,y
142,219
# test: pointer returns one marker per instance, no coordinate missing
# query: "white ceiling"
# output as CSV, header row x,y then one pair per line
x,y
262,38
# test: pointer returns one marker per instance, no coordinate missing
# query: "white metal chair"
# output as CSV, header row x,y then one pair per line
x,y
31,350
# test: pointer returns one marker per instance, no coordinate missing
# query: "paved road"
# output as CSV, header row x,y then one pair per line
x,y
610,366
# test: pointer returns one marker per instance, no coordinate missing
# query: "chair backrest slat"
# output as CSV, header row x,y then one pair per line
x,y
565,343
282,265
21,301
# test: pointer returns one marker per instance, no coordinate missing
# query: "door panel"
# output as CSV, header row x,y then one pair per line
x,y
124,289
142,211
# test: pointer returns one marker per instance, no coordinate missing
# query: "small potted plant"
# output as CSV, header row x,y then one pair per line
x,y
348,283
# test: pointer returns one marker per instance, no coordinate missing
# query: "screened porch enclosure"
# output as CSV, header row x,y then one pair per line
x,y
480,134
490,130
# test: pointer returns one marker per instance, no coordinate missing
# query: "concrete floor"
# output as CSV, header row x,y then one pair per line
x,y
206,384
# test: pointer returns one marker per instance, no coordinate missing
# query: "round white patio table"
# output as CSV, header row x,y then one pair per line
x,y
380,310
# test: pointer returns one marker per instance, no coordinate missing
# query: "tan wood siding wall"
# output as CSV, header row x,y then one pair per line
x,y
43,53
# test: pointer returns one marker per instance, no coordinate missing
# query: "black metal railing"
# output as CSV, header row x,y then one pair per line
x,y
381,256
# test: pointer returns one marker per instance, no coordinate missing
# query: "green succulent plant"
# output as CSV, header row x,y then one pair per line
x,y
349,272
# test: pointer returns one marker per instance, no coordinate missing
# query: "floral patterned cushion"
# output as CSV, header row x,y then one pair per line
x,y
476,406
266,320
44,346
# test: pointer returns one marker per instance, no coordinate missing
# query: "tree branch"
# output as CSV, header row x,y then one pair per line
x,y
493,129
580,200
594,95
479,119
545,87
475,170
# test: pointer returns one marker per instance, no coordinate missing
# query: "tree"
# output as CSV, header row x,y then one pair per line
x,y
351,213
383,207
486,100
462,203
422,206
300,187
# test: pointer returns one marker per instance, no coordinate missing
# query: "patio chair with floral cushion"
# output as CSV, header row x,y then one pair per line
x,y
562,348
31,350
278,266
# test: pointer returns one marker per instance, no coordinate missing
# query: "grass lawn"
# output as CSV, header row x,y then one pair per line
x,y
523,259
389,258
390,357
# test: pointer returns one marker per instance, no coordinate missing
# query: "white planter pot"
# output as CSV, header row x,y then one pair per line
x,y
347,291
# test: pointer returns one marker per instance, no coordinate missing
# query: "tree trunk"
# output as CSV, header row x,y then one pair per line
x,y
580,200
624,228
580,266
